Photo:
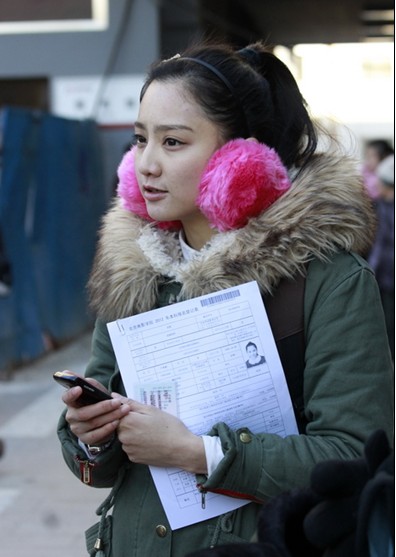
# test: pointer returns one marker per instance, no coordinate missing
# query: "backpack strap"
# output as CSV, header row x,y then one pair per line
x,y
285,310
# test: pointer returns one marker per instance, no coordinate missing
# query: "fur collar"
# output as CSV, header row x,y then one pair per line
x,y
326,210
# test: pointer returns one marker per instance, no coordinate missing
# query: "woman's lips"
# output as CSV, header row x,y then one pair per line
x,y
153,194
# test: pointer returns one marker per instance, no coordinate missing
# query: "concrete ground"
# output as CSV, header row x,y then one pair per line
x,y
44,509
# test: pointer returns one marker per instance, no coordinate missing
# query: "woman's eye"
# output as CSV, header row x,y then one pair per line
x,y
138,140
171,142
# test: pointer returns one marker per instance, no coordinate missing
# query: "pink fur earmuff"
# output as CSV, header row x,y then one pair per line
x,y
240,181
129,192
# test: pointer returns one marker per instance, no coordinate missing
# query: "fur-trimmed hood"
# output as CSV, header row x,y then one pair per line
x,y
326,210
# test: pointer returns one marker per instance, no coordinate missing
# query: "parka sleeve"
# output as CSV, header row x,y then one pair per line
x,y
103,470
348,388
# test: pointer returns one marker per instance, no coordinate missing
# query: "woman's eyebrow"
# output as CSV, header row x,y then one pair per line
x,y
164,127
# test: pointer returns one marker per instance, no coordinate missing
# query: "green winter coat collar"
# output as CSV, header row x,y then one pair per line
x,y
326,210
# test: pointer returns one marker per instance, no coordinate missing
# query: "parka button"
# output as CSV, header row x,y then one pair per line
x,y
245,437
161,531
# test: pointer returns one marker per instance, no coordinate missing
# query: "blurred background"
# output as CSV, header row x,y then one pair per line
x,y
70,76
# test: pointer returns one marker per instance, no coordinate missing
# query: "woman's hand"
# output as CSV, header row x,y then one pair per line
x,y
154,437
94,423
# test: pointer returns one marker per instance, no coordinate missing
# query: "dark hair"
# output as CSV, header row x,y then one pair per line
x,y
250,344
263,100
382,147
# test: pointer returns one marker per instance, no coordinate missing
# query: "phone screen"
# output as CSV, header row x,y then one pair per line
x,y
90,394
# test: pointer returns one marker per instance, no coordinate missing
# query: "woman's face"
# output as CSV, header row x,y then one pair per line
x,y
251,352
174,141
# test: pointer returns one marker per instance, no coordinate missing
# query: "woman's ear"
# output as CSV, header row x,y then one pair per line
x,y
241,180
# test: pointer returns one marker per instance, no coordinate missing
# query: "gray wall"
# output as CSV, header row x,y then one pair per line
x,y
85,53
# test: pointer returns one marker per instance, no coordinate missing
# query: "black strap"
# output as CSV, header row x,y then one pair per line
x,y
285,309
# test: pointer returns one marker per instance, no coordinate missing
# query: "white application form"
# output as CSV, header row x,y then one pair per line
x,y
191,359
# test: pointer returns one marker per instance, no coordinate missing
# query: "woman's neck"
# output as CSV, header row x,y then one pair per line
x,y
198,234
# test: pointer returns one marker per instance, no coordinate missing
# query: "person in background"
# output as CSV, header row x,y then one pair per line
x,y
5,267
225,185
375,151
382,255
5,270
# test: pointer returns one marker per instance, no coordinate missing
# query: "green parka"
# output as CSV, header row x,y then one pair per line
x,y
315,229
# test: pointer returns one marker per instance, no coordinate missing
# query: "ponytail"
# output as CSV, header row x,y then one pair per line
x,y
294,135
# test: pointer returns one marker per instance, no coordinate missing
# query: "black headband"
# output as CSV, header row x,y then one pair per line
x,y
215,71
226,83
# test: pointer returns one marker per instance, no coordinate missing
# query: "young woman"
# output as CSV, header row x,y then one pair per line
x,y
224,186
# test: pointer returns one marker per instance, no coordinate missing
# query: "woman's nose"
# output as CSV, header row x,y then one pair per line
x,y
147,162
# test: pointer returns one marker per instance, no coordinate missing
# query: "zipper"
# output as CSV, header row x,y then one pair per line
x,y
85,467
228,493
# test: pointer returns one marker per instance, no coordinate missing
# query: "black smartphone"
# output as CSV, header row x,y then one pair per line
x,y
89,395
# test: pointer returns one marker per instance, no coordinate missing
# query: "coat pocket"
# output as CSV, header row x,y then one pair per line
x,y
99,544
